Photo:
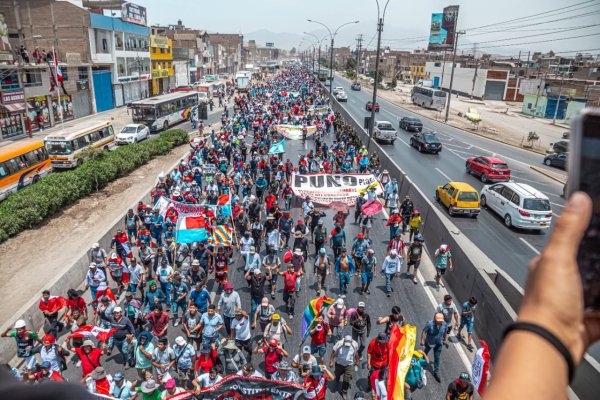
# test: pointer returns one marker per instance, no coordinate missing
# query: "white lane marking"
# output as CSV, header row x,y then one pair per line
x,y
558,205
536,251
457,145
455,153
352,101
444,175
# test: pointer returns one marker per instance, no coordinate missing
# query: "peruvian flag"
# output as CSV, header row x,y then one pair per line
x,y
86,331
54,304
125,271
106,292
59,76
480,368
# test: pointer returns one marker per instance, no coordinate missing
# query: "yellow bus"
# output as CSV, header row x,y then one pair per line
x,y
21,164
65,147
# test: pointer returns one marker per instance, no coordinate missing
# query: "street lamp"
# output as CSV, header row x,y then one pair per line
x,y
313,53
318,41
380,19
332,35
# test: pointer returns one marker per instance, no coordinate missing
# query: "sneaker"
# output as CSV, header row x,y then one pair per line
x,y
437,376
388,294
470,348
415,281
177,321
367,291
273,296
291,316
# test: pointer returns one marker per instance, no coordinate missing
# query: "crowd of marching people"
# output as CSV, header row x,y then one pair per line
x,y
149,281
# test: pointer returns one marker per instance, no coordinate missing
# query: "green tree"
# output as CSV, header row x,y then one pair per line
x,y
350,64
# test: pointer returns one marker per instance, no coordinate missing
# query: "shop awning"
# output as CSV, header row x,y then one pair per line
x,y
14,108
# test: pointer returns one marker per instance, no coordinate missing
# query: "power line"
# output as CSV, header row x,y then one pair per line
x,y
539,34
541,41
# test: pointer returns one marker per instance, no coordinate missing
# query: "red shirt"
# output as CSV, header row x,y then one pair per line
x,y
378,352
316,389
320,337
53,376
289,281
271,357
158,323
206,364
77,304
103,386
89,361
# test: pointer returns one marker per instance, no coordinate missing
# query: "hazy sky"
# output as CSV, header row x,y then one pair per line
x,y
406,22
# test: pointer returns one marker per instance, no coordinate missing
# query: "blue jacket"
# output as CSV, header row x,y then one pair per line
x,y
350,265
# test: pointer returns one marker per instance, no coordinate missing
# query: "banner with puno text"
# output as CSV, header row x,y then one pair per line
x,y
294,132
327,188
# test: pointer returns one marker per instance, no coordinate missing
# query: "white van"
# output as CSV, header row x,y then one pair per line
x,y
519,204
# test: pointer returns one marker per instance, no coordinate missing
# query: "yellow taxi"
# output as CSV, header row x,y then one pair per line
x,y
460,198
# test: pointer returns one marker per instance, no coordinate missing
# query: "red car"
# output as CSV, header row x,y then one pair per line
x,y
369,106
488,168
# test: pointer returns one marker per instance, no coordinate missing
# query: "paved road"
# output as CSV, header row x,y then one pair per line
x,y
488,231
416,301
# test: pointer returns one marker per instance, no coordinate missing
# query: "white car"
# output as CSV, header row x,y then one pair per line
x,y
132,133
519,205
341,96
337,89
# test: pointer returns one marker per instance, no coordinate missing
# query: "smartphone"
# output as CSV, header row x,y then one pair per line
x,y
584,176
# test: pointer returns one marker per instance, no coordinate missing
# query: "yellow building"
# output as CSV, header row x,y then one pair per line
x,y
417,72
161,64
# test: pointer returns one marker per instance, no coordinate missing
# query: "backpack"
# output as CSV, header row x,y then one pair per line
x,y
319,235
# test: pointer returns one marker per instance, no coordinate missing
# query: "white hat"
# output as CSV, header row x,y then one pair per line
x,y
93,265
361,303
306,350
339,303
256,271
180,341
394,252
20,324
113,255
443,247
95,245
117,309
298,252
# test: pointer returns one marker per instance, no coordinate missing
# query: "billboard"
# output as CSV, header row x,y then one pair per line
x,y
443,29
133,13
103,4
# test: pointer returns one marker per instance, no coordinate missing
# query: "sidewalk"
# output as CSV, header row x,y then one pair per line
x,y
500,120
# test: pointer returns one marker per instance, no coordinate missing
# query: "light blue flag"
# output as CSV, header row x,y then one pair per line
x,y
277,148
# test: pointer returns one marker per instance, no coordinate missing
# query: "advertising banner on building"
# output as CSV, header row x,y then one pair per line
x,y
66,106
5,47
294,132
133,13
443,29
327,188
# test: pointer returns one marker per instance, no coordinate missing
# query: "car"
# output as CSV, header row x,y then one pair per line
x,y
488,168
369,106
561,146
132,133
426,141
384,131
520,205
355,86
558,160
411,124
337,89
459,198
341,96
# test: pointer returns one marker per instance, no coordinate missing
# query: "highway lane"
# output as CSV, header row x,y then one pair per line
x,y
487,232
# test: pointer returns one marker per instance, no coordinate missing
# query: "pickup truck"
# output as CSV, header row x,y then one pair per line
x,y
384,130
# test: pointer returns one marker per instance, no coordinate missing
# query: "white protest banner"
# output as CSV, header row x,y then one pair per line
x,y
327,188
294,132
209,168
163,204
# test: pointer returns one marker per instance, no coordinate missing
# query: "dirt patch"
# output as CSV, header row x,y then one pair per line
x,y
33,258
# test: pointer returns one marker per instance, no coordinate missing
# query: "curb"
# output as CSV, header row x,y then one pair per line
x,y
456,127
547,174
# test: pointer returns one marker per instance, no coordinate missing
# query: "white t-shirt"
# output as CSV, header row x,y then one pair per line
x,y
163,272
205,381
242,328
312,360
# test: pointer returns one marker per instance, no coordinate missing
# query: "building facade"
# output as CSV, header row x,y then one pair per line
x,y
161,59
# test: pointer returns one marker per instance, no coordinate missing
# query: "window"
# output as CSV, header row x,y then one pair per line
x,y
497,188
83,73
162,50
516,199
33,77
507,193
105,45
10,80
468,196
536,205
119,41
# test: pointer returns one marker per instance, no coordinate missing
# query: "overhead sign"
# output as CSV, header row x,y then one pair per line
x,y
294,132
159,41
327,188
12,96
133,13
443,29
269,44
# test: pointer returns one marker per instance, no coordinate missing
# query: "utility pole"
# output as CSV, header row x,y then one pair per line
x,y
331,68
559,94
443,70
527,67
376,76
452,73
476,66
359,40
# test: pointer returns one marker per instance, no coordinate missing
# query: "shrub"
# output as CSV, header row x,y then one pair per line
x,y
29,207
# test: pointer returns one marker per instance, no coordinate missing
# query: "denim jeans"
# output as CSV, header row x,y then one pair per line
x,y
166,288
122,346
175,306
388,282
344,282
254,303
437,354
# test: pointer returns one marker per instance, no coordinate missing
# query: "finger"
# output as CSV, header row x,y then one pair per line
x,y
570,226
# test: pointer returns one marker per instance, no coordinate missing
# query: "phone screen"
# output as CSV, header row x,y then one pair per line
x,y
588,257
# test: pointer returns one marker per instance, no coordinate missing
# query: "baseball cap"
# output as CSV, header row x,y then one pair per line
x,y
88,342
347,339
117,309
361,303
361,236
465,377
339,303
276,317
306,350
264,302
118,376
47,365
322,251
439,317
382,337
179,340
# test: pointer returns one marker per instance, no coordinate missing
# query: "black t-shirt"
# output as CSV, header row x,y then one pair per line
x,y
458,392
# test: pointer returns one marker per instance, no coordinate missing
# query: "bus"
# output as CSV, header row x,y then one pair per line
x,y
66,146
160,112
21,164
323,75
428,97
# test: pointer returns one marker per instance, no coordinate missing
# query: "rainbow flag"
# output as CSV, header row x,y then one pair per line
x,y
401,348
313,309
222,236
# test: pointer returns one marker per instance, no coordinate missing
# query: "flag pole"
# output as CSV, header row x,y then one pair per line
x,y
60,108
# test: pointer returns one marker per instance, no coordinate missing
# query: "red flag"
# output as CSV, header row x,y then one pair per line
x,y
107,292
223,199
59,76
86,331
54,304
371,207
480,368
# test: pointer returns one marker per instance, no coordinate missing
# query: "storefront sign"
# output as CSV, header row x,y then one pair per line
x,y
39,113
327,188
12,96
159,41
65,105
133,13
294,132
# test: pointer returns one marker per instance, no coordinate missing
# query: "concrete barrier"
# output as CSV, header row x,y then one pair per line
x,y
474,274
